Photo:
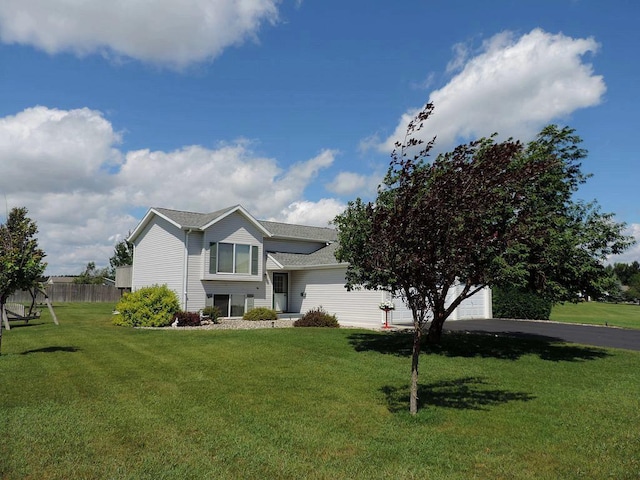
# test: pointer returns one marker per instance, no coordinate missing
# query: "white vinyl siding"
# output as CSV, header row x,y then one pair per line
x,y
292,246
233,247
250,293
325,287
159,257
195,289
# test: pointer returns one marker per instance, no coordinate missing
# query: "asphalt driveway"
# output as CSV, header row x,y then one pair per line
x,y
584,334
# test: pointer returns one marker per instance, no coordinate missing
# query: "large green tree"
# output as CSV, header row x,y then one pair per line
x,y
21,260
485,214
122,255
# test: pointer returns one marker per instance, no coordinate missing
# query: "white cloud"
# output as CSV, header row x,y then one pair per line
x,y
200,179
460,57
66,168
318,213
167,32
633,253
348,183
305,171
56,149
514,86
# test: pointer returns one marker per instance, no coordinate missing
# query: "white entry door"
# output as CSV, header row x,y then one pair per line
x,y
280,291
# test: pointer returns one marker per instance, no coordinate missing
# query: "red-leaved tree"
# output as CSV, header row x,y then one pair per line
x,y
476,216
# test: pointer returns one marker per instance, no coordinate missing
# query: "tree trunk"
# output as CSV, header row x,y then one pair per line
x,y
415,357
435,329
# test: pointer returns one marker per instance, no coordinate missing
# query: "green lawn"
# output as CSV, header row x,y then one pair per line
x,y
89,400
596,313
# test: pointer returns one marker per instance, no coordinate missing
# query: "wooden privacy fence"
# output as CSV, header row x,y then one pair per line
x,y
71,292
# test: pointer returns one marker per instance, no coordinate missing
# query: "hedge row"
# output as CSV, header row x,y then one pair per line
x,y
515,303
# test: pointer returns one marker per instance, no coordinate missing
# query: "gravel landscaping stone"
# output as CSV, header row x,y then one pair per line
x,y
239,324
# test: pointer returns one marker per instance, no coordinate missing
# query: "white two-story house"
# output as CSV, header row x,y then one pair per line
x,y
229,259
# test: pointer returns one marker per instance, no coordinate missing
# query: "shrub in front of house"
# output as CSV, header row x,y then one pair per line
x,y
154,306
212,313
188,319
260,313
515,303
317,317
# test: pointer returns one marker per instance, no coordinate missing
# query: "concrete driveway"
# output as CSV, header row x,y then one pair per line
x,y
567,332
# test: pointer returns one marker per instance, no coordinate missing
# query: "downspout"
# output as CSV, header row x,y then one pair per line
x,y
185,274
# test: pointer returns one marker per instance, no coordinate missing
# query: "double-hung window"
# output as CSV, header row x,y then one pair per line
x,y
235,258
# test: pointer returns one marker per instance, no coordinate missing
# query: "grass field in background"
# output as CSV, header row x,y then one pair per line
x,y
86,399
596,313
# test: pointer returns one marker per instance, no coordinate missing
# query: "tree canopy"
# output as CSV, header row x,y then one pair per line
x,y
122,255
485,214
21,261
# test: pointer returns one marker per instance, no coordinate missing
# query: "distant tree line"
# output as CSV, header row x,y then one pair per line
x,y
627,276
122,255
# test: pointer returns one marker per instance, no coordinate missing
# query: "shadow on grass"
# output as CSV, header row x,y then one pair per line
x,y
502,345
468,393
21,323
51,350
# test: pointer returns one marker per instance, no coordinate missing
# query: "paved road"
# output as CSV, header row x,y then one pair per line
x,y
584,334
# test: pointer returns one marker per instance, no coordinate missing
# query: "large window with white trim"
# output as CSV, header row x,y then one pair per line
x,y
233,258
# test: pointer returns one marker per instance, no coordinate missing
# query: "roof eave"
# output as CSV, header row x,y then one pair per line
x,y
247,215
146,219
322,266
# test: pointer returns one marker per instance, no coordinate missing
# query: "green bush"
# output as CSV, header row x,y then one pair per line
x,y
212,312
317,317
515,303
154,306
260,313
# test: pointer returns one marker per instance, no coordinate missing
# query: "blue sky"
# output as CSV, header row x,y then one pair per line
x,y
290,108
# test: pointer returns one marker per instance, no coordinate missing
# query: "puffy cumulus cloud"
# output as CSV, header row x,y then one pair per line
x,y
167,32
633,253
319,213
349,183
56,149
196,178
200,179
66,168
513,86
304,171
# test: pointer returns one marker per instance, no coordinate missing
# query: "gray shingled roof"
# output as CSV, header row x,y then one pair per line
x,y
324,256
304,232
192,219
277,229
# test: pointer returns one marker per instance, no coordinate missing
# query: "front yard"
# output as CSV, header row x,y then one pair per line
x,y
89,400
597,313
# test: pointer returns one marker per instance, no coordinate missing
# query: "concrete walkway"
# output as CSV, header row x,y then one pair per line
x,y
599,336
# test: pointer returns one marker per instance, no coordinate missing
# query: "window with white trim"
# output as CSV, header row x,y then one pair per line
x,y
234,258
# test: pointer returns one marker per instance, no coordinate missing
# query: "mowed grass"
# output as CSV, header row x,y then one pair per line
x,y
89,400
597,313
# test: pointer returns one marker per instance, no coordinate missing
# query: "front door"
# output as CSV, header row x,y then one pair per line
x,y
280,291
